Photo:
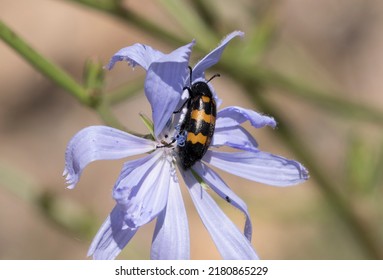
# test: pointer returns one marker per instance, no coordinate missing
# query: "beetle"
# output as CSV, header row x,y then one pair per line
x,y
199,122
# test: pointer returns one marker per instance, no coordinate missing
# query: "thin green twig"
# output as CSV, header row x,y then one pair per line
x,y
115,9
332,102
43,65
91,97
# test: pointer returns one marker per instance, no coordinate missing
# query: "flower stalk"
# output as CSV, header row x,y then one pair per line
x,y
46,67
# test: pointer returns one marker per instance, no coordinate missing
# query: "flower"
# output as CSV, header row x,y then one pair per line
x,y
148,187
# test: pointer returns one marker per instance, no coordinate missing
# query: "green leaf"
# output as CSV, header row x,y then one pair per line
x,y
148,123
200,180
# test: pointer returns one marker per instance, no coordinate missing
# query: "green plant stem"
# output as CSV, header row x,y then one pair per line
x,y
333,102
43,65
103,110
115,9
91,97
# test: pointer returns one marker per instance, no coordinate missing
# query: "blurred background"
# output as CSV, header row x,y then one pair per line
x,y
316,66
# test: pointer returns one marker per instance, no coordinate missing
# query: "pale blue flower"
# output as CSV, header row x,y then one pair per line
x,y
148,187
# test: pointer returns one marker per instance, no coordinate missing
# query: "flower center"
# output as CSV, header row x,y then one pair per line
x,y
173,136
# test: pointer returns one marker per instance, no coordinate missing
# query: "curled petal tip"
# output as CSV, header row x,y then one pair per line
x,y
239,33
305,173
70,181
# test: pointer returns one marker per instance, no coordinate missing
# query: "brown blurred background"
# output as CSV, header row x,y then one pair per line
x,y
336,45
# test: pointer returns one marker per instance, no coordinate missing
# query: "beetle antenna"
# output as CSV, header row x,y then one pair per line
x,y
191,73
214,76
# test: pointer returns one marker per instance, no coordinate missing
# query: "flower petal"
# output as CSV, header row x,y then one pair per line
x,y
140,54
164,84
214,56
235,137
234,115
218,185
99,143
171,235
142,189
230,242
112,237
259,166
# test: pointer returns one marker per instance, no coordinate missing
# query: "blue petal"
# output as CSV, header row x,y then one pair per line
x,y
142,55
230,242
164,83
112,237
218,185
228,130
171,235
260,167
234,115
236,137
99,143
214,56
142,189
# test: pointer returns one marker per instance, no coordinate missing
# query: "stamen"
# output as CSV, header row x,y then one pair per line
x,y
166,144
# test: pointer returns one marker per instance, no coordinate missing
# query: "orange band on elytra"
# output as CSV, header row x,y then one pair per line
x,y
199,138
200,114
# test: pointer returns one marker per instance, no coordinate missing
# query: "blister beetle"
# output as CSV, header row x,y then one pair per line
x,y
199,122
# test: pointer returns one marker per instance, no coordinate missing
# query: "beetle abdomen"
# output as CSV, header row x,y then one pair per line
x,y
199,125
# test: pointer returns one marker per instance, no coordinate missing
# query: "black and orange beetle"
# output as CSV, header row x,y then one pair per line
x,y
199,122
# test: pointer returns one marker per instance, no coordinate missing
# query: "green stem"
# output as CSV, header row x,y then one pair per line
x,y
43,65
334,102
260,77
104,111
90,97
116,9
